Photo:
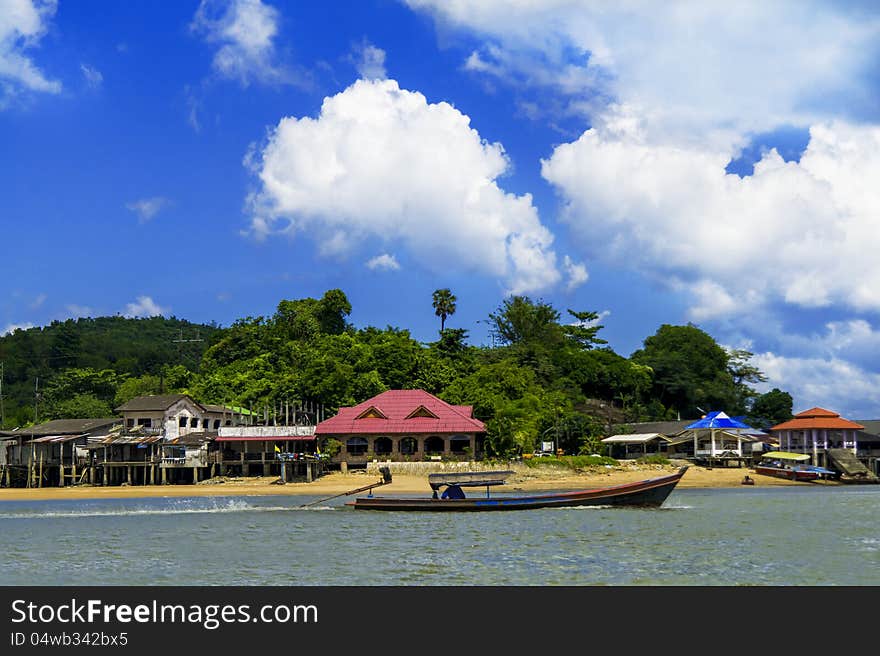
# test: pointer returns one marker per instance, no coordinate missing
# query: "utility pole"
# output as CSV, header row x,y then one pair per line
x,y
2,416
180,341
36,400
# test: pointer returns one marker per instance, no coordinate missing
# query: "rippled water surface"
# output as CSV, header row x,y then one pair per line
x,y
749,536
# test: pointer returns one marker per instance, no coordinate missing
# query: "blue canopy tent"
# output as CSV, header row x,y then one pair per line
x,y
713,421
717,419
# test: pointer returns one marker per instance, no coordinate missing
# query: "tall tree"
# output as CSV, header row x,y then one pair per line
x,y
444,305
690,369
583,331
519,320
771,408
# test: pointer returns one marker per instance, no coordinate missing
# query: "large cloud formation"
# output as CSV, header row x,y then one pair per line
x,y
22,24
689,66
671,97
805,233
382,162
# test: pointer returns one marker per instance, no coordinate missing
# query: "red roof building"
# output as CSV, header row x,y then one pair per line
x,y
817,429
403,425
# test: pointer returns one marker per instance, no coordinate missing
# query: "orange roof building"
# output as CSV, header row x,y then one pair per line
x,y
815,429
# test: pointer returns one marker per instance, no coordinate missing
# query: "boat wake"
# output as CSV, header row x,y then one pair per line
x,y
177,508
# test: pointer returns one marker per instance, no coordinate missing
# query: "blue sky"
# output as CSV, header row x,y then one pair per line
x,y
696,163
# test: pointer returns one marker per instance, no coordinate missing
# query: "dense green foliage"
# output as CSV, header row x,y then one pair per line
x,y
75,368
544,379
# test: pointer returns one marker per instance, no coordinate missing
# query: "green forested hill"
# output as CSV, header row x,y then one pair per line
x,y
104,350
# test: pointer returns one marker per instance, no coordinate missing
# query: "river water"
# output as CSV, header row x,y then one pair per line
x,y
773,536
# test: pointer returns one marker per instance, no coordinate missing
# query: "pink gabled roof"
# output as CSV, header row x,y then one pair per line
x,y
397,405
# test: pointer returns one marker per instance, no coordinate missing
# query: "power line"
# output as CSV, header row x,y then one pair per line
x,y
180,341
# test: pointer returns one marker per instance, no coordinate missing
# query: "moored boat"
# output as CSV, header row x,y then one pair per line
x,y
792,466
648,493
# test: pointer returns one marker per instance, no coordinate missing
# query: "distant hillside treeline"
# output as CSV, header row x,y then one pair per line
x,y
547,376
114,349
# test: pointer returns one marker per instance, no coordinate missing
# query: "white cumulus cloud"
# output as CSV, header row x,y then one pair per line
x,y
828,382
23,23
144,306
147,208
575,271
383,262
801,233
12,327
370,61
380,161
697,66
245,31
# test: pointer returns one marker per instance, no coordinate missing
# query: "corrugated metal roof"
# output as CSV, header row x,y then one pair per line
x,y
154,402
662,427
56,438
193,439
397,406
635,438
128,439
65,427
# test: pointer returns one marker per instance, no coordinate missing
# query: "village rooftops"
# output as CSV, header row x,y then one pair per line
x,y
155,403
65,427
227,409
402,411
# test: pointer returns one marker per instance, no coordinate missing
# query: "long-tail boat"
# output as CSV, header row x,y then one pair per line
x,y
648,493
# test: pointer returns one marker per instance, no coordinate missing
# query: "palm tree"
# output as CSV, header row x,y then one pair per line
x,y
444,305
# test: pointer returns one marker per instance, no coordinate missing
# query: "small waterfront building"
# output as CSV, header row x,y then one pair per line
x,y
815,431
55,452
401,425
286,451
716,438
175,415
635,445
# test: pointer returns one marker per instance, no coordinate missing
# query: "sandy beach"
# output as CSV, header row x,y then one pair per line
x,y
524,480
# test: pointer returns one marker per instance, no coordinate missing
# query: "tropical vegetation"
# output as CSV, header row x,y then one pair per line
x,y
546,377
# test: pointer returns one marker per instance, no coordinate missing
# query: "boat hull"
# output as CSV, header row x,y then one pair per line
x,y
650,493
790,474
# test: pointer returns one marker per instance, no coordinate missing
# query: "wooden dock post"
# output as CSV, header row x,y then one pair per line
x,y
129,474
40,480
308,472
164,475
195,473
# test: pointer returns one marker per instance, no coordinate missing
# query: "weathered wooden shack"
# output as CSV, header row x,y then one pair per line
x,y
53,453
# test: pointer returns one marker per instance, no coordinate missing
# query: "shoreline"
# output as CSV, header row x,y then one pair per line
x,y
525,479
